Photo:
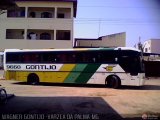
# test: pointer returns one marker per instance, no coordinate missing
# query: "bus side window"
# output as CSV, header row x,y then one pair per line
x,y
73,58
116,59
78,58
25,58
55,60
52,58
94,59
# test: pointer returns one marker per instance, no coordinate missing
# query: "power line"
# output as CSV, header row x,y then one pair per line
x,y
112,19
116,21
108,6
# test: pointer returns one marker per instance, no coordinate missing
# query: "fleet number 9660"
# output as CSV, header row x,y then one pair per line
x,y
13,67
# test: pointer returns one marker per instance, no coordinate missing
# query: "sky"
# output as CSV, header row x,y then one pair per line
x,y
138,18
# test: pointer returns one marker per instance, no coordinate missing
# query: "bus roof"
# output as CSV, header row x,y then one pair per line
x,y
72,49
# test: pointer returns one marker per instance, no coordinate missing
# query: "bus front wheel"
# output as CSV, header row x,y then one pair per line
x,y
113,81
32,79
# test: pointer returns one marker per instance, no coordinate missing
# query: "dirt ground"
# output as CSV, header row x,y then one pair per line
x,y
78,102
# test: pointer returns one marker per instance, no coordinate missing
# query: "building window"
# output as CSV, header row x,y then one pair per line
x,y
45,36
32,36
146,50
41,12
40,34
63,35
60,15
46,15
14,34
16,13
63,12
32,14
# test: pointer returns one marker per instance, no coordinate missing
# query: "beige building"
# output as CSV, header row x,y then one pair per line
x,y
38,24
113,40
152,46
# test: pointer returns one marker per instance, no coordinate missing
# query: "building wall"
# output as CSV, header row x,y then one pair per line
x,y
155,46
118,40
113,40
88,43
147,46
26,23
152,46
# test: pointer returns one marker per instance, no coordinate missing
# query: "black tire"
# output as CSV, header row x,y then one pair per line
x,y
113,82
33,79
3,96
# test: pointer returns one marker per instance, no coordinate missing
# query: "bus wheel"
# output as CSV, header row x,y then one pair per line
x,y
32,79
113,81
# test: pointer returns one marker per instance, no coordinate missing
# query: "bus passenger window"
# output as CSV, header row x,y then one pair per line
x,y
94,59
55,60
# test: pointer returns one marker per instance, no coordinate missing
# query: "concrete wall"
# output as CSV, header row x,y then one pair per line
x,y
118,40
113,40
155,46
152,46
39,24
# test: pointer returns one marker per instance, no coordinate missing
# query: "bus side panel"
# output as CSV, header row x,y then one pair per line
x,y
98,78
71,78
64,71
10,75
52,77
21,76
48,76
87,73
127,79
124,78
137,80
59,76
43,76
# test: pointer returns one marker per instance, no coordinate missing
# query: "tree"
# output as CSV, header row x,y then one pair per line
x,y
140,46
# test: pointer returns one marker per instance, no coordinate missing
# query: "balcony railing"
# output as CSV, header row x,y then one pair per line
x,y
40,12
34,34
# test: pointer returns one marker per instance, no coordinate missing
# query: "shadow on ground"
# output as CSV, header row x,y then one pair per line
x,y
56,107
145,87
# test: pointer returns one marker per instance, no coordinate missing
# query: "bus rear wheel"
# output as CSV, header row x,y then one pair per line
x,y
32,79
113,81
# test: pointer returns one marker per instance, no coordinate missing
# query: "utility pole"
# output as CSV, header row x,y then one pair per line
x,y
99,28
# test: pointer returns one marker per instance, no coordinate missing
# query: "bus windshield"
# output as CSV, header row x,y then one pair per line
x,y
131,64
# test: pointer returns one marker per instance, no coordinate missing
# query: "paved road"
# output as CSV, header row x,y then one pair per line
x,y
60,101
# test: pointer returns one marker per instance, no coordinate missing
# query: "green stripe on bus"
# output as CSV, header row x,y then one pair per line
x,y
74,74
87,73
106,49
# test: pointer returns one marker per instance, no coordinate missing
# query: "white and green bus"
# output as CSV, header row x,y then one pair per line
x,y
110,66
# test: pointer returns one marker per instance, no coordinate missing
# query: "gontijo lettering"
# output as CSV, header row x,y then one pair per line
x,y
40,67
